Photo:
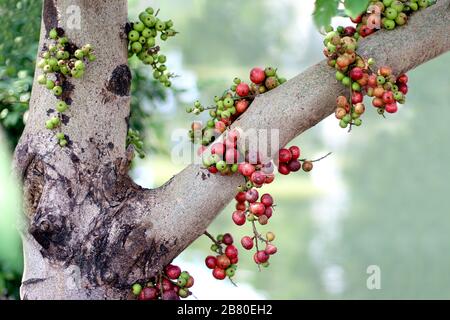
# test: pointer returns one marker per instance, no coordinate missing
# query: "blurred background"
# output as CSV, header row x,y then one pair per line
x,y
381,199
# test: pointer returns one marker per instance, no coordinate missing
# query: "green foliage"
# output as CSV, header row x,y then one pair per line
x,y
230,32
9,284
19,37
10,247
355,7
325,10
146,94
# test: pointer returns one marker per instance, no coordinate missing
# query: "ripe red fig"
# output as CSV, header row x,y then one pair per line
x,y
403,88
357,97
260,257
356,74
284,155
246,169
270,249
267,200
251,195
166,285
257,75
402,79
238,217
295,152
213,169
258,177
257,208
364,31
173,272
294,165
241,106
240,197
283,169
391,107
211,262
227,239
219,273
231,251
268,212
240,206
372,81
388,97
148,294
269,178
170,295
349,31
223,261
242,89
358,19
247,242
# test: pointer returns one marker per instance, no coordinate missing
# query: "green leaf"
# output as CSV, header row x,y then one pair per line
x,y
355,7
324,11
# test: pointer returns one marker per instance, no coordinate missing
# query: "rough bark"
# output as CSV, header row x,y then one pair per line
x,y
90,231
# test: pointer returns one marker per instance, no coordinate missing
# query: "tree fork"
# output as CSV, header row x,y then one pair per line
x,y
90,232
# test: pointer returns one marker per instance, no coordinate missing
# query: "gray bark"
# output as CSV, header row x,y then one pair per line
x,y
90,231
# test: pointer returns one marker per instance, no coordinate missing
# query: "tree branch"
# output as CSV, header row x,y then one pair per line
x,y
91,232
293,108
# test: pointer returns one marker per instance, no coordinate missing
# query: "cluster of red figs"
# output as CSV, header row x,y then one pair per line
x,y
355,72
288,161
383,87
227,155
224,263
228,106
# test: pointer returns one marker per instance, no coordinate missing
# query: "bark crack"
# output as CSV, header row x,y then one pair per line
x,y
120,81
50,15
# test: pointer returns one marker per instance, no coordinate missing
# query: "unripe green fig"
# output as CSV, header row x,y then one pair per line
x,y
61,106
136,47
53,34
397,5
390,13
42,79
139,26
133,35
389,24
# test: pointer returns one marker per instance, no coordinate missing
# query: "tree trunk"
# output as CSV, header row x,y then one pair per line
x,y
91,232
